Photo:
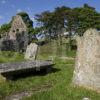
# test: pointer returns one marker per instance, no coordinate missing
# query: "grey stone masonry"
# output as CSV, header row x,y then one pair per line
x,y
18,26
17,38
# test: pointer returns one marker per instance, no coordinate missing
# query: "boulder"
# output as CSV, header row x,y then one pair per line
x,y
87,68
31,51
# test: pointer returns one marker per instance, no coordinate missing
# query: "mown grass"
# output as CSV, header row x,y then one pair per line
x,y
62,88
56,85
9,56
71,53
53,86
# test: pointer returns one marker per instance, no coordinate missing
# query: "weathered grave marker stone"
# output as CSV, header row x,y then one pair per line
x,y
87,68
31,51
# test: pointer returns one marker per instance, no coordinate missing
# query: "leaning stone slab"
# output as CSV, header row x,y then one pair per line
x,y
31,51
25,66
87,68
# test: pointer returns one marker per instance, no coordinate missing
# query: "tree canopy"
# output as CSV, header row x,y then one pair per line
x,y
76,20
87,18
4,28
54,23
26,19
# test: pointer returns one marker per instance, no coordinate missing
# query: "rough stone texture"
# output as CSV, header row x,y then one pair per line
x,y
17,38
87,68
25,65
31,51
18,32
18,25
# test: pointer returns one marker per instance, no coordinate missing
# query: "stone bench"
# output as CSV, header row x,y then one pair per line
x,y
7,69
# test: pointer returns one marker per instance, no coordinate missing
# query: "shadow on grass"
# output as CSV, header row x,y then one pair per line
x,y
29,73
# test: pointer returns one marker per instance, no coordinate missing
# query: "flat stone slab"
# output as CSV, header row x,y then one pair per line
x,y
25,65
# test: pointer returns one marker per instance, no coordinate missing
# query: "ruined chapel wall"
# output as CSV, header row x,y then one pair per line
x,y
17,26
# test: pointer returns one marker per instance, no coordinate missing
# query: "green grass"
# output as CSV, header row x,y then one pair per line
x,y
71,53
9,56
56,85
61,86
52,49
52,86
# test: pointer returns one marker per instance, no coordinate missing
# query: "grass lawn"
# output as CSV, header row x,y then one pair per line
x,y
52,86
9,56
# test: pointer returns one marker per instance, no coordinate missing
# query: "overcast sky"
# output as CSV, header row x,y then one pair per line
x,y
9,8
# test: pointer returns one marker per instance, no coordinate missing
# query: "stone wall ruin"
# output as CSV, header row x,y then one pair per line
x,y
17,39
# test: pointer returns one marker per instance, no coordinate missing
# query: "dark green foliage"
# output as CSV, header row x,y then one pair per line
x,y
89,7
23,14
87,18
45,22
76,20
26,19
4,28
53,22
73,20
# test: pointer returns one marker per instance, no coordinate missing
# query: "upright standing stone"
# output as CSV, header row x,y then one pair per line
x,y
87,68
31,51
